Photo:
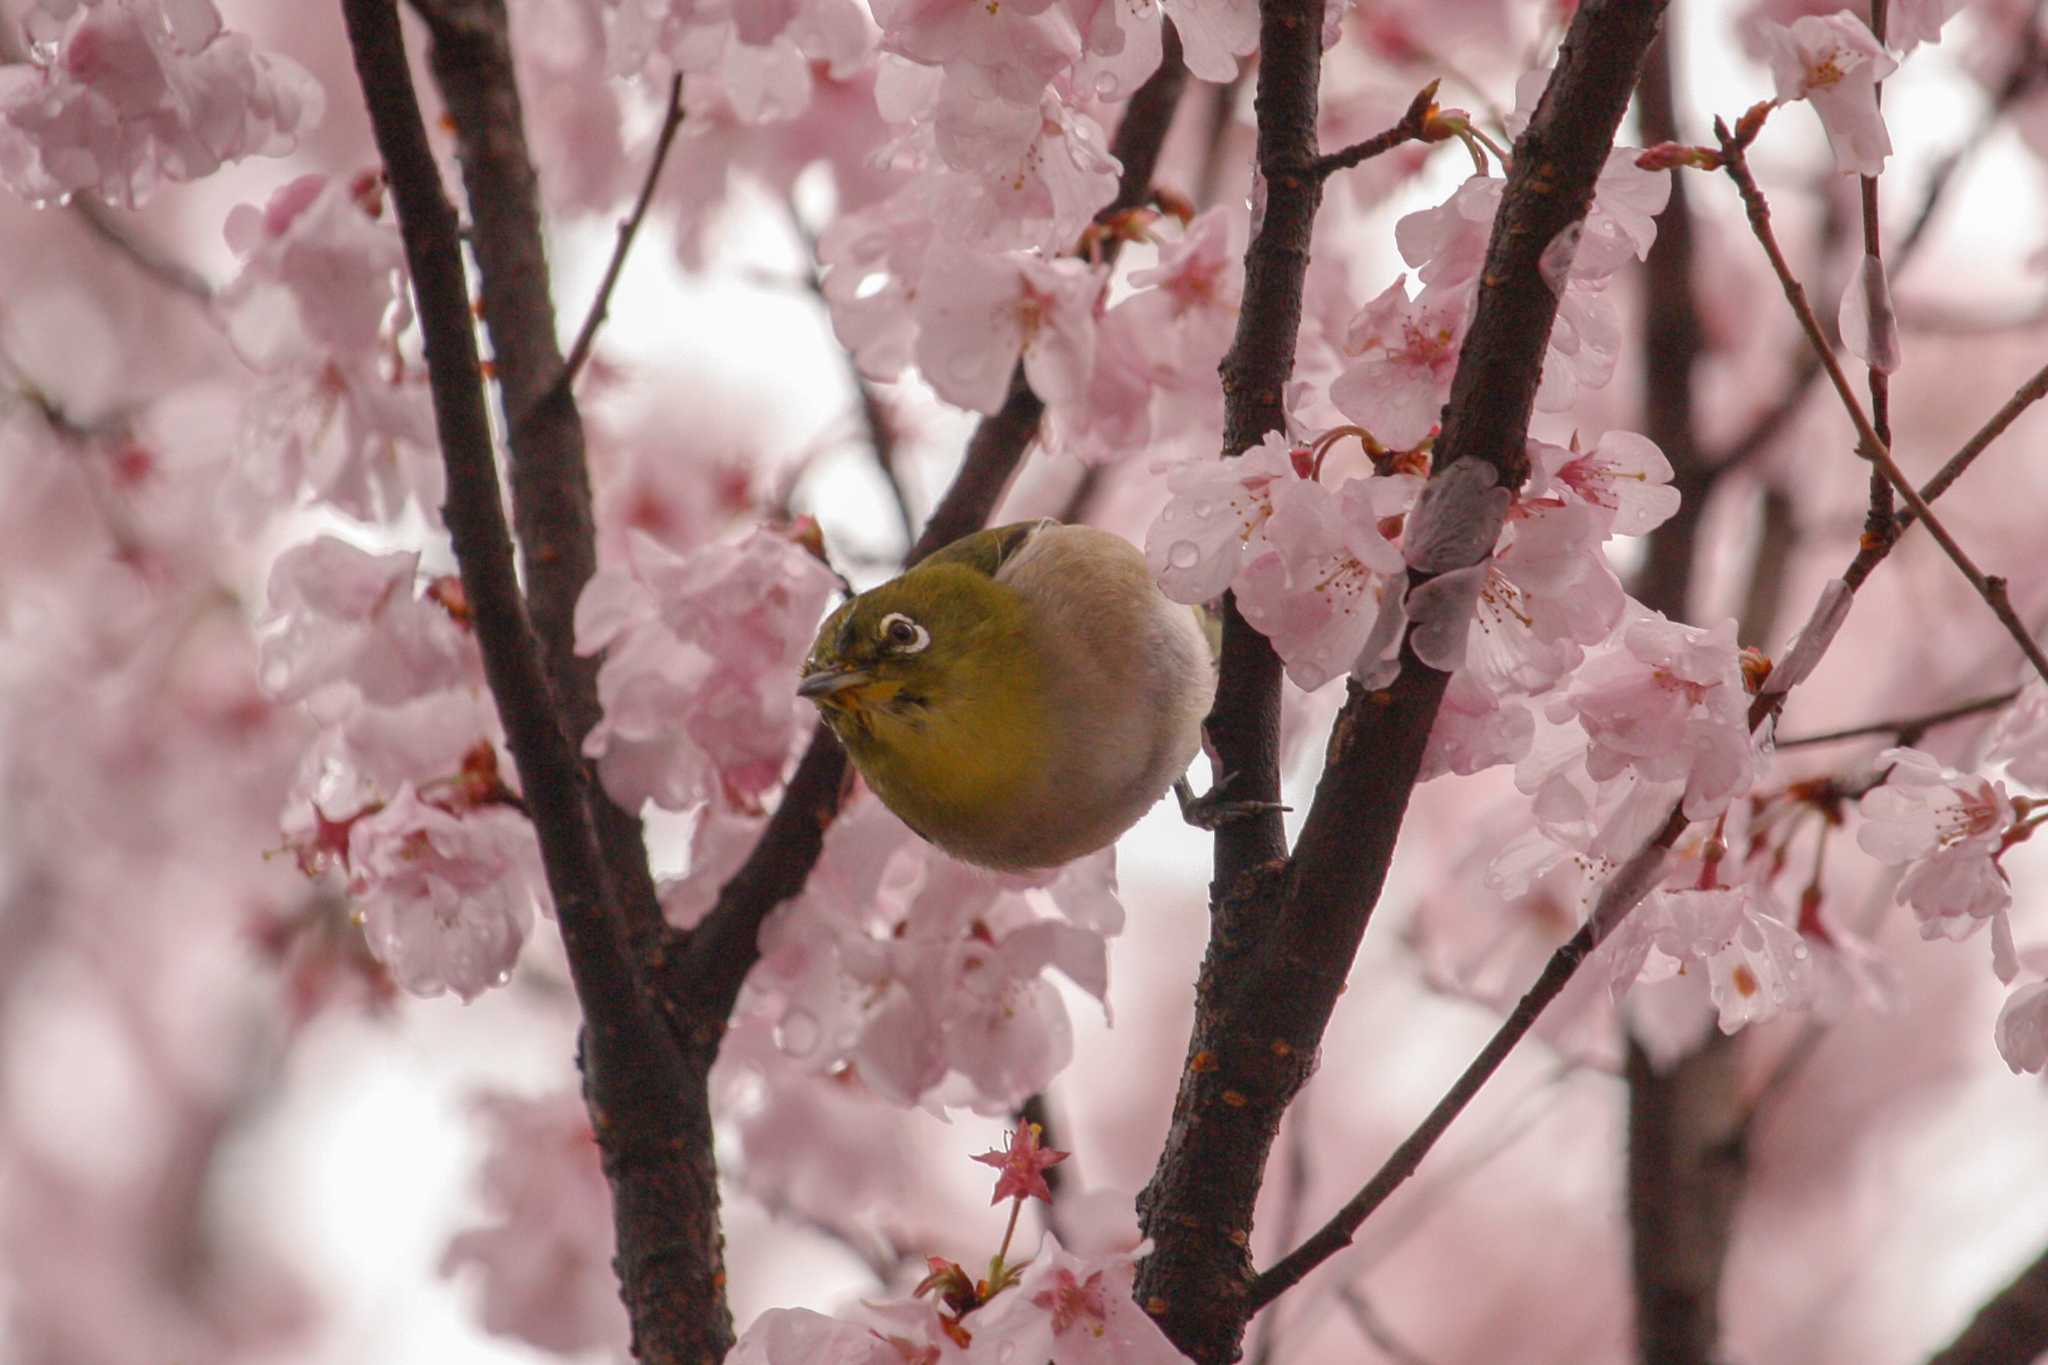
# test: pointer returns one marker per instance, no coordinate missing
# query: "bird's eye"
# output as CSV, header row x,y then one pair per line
x,y
903,635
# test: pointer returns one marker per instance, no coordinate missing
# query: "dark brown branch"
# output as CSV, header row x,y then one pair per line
x,y
1906,729
1672,342
2011,1326
629,227
1285,931
708,965
656,1158
471,57
1197,1208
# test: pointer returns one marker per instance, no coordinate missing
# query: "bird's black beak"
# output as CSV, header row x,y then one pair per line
x,y
827,682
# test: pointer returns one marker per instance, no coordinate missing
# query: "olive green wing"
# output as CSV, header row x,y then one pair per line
x,y
987,551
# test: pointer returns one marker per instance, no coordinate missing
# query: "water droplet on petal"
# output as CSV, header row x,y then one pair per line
x,y
1184,554
797,1035
1106,86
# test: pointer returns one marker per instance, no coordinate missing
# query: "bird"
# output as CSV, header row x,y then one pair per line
x,y
1020,697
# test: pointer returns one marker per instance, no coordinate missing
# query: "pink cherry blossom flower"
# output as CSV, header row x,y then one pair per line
x,y
317,309
447,899
1214,34
1214,522
1623,473
1909,23
2022,1028
1023,1164
1834,63
1021,45
342,616
1070,1309
798,1336
122,94
1665,701
1948,828
1407,352
1315,591
977,313
545,1258
2020,739
1548,594
1756,965
699,651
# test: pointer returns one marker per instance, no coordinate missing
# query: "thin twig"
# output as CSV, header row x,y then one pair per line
x,y
2023,398
1375,1328
1409,129
1871,445
1906,729
1767,425
874,415
175,276
1877,522
629,227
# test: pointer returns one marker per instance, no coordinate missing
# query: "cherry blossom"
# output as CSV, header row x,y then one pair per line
x,y
1023,1163
1665,701
1315,590
699,650
1214,522
342,616
545,1259
1407,351
928,975
316,309
2022,1028
1834,63
1949,830
978,313
1073,1310
446,898
2020,739
1624,473
120,95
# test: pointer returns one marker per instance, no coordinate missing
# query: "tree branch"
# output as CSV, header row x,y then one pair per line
x,y
1285,932
471,57
652,1127
1906,730
629,227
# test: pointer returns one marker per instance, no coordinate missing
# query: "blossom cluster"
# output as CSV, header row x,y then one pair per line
x,y
118,96
923,977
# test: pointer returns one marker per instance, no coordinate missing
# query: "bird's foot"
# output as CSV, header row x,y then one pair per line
x,y
1211,811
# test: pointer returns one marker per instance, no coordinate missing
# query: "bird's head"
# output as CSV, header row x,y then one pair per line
x,y
911,643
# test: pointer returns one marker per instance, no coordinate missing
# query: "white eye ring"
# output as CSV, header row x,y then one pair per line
x,y
903,635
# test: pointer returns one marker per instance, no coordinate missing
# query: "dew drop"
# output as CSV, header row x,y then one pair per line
x,y
1184,554
797,1034
1799,951
1203,510
1107,85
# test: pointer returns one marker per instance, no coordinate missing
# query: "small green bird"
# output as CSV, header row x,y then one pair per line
x,y
1020,697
